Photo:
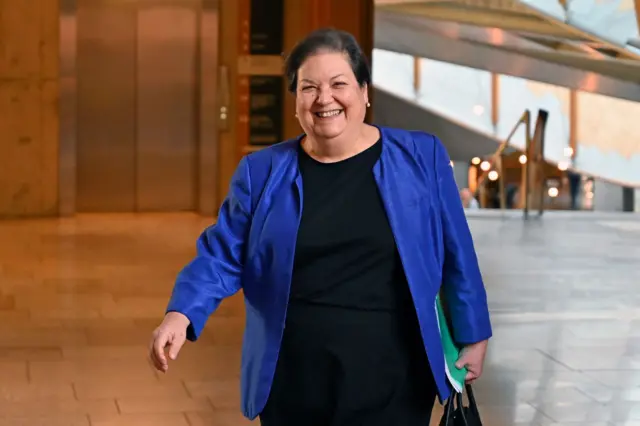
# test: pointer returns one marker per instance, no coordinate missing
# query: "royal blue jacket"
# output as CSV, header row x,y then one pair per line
x,y
252,245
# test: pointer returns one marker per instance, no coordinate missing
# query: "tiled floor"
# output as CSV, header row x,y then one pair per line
x,y
80,297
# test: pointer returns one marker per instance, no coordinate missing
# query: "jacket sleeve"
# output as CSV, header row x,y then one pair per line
x,y
462,283
215,272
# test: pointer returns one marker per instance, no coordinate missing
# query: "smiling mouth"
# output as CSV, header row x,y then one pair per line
x,y
329,114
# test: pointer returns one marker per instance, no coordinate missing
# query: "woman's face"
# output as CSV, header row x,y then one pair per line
x,y
329,100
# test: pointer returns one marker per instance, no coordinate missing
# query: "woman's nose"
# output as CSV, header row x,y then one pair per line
x,y
324,96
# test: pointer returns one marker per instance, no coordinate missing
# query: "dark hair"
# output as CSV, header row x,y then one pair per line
x,y
330,40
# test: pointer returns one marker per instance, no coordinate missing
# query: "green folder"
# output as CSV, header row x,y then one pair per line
x,y
455,375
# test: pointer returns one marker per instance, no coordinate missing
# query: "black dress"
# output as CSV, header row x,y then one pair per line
x,y
351,354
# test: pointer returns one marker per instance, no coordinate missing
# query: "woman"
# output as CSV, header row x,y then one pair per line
x,y
340,240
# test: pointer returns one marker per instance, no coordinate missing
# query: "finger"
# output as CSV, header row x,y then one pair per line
x,y
462,359
470,378
175,346
152,353
158,350
157,364
462,362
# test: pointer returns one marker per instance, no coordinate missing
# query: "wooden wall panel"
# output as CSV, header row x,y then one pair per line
x,y
49,39
28,108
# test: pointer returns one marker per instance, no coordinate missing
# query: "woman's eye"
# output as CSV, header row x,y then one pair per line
x,y
339,83
306,88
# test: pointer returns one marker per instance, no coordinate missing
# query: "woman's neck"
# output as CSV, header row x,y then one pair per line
x,y
340,148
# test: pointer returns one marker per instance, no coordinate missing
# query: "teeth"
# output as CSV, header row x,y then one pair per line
x,y
326,114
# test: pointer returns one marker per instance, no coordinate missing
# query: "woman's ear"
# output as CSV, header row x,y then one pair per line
x,y
365,93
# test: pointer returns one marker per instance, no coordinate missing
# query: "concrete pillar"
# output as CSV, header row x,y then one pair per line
x,y
607,197
461,173
628,199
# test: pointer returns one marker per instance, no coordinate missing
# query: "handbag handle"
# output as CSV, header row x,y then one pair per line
x,y
461,409
454,406
449,409
456,399
472,401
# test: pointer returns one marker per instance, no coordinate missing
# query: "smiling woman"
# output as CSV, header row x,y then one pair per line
x,y
340,239
329,76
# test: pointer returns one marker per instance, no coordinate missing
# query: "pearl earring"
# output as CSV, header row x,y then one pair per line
x,y
368,104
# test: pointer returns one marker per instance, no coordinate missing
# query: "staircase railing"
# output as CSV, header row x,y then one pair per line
x,y
496,161
534,156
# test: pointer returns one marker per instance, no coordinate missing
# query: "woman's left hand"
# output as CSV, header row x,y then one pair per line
x,y
472,357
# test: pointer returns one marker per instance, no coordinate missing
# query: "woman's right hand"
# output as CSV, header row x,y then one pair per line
x,y
171,333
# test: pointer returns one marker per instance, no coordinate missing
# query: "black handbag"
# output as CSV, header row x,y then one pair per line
x,y
455,412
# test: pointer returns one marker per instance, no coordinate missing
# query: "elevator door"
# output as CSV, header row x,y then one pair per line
x,y
166,107
137,107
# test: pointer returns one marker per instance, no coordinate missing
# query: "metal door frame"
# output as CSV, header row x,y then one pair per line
x,y
208,29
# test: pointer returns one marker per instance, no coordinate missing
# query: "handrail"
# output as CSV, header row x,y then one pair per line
x,y
496,159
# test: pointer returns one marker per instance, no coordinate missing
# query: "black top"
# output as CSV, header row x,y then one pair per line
x,y
346,254
351,352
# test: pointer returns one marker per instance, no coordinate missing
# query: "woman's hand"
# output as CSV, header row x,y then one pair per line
x,y
172,333
472,357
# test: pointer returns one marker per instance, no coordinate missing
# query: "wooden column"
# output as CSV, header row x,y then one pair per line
x,y
416,74
495,100
28,108
228,94
573,122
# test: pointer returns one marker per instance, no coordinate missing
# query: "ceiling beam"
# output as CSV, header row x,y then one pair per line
x,y
621,52
584,48
479,17
616,78
510,16
505,5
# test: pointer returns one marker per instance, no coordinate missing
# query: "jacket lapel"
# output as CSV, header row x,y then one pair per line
x,y
280,231
407,202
